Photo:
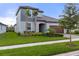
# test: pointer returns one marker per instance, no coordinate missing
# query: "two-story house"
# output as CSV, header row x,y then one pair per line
x,y
39,23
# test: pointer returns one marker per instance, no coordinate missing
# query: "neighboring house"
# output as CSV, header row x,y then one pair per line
x,y
3,28
42,24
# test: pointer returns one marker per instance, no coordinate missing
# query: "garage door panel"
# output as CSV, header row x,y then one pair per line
x,y
59,29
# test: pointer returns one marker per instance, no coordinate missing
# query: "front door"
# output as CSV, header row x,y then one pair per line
x,y
41,27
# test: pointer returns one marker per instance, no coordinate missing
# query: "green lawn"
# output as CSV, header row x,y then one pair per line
x,y
41,50
11,38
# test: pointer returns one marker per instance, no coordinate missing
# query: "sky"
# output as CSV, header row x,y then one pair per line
x,y
8,10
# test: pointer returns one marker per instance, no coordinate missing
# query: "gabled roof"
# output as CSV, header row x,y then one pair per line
x,y
3,24
28,7
48,19
43,18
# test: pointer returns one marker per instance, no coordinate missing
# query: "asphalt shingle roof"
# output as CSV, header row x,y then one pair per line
x,y
47,18
3,24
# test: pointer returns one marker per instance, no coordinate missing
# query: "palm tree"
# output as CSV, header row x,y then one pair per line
x,y
27,12
35,13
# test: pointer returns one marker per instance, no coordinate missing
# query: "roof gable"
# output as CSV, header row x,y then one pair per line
x,y
47,19
28,7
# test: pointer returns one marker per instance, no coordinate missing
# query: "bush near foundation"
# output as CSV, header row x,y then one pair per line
x,y
76,32
54,35
49,34
32,34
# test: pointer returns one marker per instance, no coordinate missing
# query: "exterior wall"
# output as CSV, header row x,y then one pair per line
x,y
2,29
18,21
22,27
20,24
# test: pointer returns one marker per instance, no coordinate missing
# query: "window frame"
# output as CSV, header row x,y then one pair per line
x,y
28,26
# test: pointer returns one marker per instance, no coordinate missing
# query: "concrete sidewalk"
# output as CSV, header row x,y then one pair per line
x,y
73,53
35,44
73,36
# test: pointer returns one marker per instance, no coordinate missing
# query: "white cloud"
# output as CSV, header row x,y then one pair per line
x,y
8,20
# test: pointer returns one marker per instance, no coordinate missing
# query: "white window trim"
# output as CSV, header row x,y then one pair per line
x,y
30,26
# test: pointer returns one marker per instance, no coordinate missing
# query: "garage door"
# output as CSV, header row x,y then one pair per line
x,y
59,29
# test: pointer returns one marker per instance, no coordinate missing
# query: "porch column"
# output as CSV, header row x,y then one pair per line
x,y
47,27
37,27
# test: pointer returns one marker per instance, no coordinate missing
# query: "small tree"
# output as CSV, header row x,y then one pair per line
x,y
51,31
10,29
70,18
28,12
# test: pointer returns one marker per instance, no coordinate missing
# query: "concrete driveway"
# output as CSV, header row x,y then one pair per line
x,y
73,36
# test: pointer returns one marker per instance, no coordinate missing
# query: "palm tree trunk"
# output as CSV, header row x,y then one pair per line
x,y
25,27
26,23
35,20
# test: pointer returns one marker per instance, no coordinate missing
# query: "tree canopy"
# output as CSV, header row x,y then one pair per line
x,y
70,19
28,12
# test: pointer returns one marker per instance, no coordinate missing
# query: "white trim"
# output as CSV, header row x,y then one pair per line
x,y
30,26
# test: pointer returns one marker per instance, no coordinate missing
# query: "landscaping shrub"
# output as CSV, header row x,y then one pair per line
x,y
53,35
58,35
18,33
51,30
49,34
32,33
37,34
28,33
76,32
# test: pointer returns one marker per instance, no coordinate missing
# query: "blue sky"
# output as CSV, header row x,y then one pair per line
x,y
8,10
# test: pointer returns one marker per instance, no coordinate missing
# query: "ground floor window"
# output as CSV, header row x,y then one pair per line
x,y
28,26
